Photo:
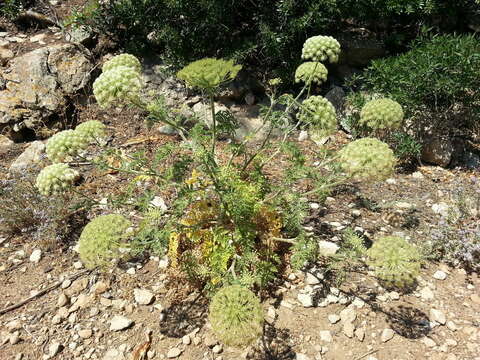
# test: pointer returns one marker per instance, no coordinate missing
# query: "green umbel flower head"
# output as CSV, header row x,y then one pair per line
x,y
321,48
236,316
311,72
367,159
126,60
320,114
55,179
117,84
91,130
209,74
382,114
102,238
395,261
63,144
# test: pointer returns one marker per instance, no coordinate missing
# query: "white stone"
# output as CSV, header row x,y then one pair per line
x,y
300,356
119,322
394,295
387,334
305,300
429,342
326,336
217,349
440,275
348,329
348,315
36,255
311,279
327,248
360,333
333,318
173,353
62,300
426,293
143,297
303,135
54,349
438,316
158,202
186,340
78,265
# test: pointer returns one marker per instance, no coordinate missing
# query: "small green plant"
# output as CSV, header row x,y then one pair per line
x,y
381,114
236,316
102,239
367,159
395,261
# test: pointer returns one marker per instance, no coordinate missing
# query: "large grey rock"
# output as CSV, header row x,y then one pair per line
x,y
359,50
337,97
32,155
438,151
39,83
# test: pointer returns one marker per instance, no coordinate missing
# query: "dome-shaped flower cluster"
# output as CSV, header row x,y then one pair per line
x,y
119,83
311,72
126,60
395,261
319,113
236,316
382,114
321,48
55,178
209,73
102,238
367,159
91,130
63,144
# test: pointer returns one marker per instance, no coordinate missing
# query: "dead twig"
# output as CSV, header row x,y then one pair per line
x,y
42,292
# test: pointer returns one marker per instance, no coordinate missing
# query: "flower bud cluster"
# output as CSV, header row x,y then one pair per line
x,y
63,144
55,178
321,48
394,261
382,114
236,316
319,113
91,130
119,83
367,159
102,238
126,60
311,72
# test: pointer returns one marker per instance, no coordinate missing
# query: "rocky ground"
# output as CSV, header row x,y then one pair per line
x,y
53,308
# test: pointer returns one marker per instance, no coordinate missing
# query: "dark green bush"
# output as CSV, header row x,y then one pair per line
x,y
269,33
436,82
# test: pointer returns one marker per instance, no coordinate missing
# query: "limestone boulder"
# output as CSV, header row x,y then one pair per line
x,y
39,86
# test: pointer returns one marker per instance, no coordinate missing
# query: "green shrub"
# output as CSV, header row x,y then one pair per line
x,y
268,36
236,316
101,240
435,81
395,261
